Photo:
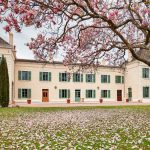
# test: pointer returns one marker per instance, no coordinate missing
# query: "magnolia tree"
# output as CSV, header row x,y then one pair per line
x,y
83,31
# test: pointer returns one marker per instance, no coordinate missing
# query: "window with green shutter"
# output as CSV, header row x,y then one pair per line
x,y
64,77
146,92
90,94
24,93
77,77
145,72
45,76
119,79
24,75
105,78
105,93
90,77
64,93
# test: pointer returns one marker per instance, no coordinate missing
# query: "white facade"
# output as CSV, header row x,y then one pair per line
x,y
25,82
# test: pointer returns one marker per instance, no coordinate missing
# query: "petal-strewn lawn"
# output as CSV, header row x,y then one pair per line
x,y
111,128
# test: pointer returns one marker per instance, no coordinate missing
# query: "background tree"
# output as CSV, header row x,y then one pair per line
x,y
4,83
83,31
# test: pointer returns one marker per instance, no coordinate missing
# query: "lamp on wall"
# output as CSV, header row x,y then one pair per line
x,y
55,87
98,87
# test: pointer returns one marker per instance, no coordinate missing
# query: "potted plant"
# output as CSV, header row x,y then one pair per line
x,y
68,101
28,101
127,100
100,100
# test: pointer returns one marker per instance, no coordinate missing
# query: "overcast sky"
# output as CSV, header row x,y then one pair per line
x,y
19,40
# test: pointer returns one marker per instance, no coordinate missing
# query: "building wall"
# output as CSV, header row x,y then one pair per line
x,y
134,80
54,85
7,52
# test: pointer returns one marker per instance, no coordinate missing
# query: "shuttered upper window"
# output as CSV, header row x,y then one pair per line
x,y
24,75
90,77
45,76
119,79
105,78
145,72
64,77
77,77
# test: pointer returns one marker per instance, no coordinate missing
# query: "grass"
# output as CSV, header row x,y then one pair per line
x,y
101,127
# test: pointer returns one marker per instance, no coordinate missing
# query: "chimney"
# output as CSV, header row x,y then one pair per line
x,y
129,56
11,40
14,51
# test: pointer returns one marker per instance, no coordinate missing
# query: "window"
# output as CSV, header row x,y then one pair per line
x,y
145,72
24,75
105,93
90,77
105,78
45,76
77,77
90,93
146,92
64,93
24,93
64,77
119,79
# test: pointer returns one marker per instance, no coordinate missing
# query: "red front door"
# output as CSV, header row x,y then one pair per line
x,y
45,95
119,95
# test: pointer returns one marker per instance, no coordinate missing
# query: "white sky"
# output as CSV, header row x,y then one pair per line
x,y
20,39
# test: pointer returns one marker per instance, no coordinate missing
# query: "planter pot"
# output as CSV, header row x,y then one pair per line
x,y
127,100
68,101
101,100
29,101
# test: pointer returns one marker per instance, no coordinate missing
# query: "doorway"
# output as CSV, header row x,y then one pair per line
x,y
77,95
119,95
45,94
130,94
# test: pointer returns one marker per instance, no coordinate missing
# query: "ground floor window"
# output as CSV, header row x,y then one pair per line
x,y
146,92
64,93
24,93
105,93
90,93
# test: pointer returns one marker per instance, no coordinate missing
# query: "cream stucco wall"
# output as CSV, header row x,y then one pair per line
x,y
134,80
36,86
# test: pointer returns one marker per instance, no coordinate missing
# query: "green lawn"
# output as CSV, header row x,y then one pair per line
x,y
80,128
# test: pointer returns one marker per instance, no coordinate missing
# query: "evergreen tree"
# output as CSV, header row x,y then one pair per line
x,y
4,83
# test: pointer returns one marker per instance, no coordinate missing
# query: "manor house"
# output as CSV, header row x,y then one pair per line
x,y
49,82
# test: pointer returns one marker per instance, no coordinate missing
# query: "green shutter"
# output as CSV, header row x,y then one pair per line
x,y
143,72
29,93
60,93
102,79
19,93
40,76
94,94
19,75
122,79
68,93
108,78
60,75
81,77
29,75
68,77
86,93
108,93
86,78
116,79
94,78
49,76
73,77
